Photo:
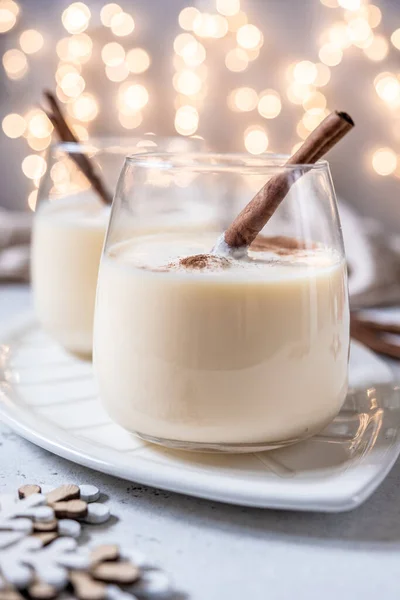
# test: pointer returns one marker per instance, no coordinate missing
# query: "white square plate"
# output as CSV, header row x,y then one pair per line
x,y
50,398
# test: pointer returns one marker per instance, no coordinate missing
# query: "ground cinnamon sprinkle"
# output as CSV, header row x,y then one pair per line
x,y
204,261
280,244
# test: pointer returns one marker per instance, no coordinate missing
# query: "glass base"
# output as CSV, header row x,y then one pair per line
x,y
223,447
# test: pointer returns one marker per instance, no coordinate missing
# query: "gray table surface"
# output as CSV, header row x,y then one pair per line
x,y
219,552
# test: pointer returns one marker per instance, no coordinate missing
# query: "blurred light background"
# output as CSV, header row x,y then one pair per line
x,y
246,75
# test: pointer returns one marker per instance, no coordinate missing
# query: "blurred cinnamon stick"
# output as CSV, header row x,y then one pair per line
x,y
372,334
66,135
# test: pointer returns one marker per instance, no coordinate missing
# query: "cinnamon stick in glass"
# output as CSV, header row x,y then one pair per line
x,y
248,224
83,162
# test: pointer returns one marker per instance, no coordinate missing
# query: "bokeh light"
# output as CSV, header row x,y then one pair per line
x,y
32,199
243,99
339,34
118,73
330,3
395,38
384,161
122,24
269,104
182,100
207,25
38,144
374,15
31,41
34,166
187,82
193,54
228,8
359,30
249,37
77,48
305,72
39,125
255,140
60,172
15,63
184,41
130,121
72,84
133,96
350,4
8,15
186,120
76,17
84,108
80,47
312,119
387,87
302,130
253,54
113,54
296,147
80,132
298,92
62,96
237,21
108,12
330,54
378,49
14,125
187,17
64,69
138,60
323,75
236,60
314,103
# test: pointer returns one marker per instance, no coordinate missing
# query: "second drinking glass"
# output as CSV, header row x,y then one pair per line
x,y
69,229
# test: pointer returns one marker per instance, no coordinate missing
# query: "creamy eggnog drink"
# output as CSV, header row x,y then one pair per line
x,y
210,350
68,237
219,338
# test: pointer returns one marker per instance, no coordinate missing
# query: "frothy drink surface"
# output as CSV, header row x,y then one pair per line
x,y
235,352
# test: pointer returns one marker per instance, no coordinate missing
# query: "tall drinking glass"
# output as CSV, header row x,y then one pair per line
x,y
221,353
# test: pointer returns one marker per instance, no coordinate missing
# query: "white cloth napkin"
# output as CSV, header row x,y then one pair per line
x,y
373,256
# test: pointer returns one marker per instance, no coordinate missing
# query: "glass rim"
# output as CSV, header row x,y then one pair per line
x,y
113,143
220,161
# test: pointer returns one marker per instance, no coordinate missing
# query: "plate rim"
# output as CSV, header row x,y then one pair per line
x,y
28,425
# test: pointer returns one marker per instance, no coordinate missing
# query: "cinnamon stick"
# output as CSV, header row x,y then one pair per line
x,y
377,326
248,224
83,162
372,338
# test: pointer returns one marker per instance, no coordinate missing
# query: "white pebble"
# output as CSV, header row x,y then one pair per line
x,y
137,558
7,538
20,524
89,493
97,513
69,527
115,593
17,574
153,584
43,513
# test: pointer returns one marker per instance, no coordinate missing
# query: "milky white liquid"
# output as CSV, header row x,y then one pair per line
x,y
253,354
68,238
